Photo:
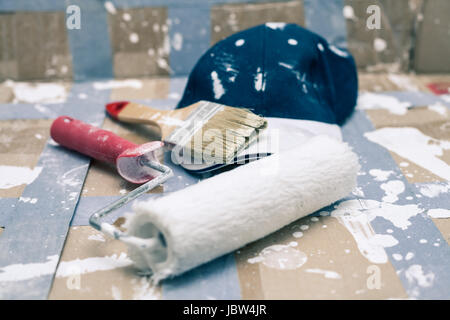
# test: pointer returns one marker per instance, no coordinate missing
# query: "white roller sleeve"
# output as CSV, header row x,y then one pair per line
x,y
227,211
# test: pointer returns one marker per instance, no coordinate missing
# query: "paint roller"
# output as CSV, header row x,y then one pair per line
x,y
179,231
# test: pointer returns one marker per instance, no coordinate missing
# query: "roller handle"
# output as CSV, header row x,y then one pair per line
x,y
97,143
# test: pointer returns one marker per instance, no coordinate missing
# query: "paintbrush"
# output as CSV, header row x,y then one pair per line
x,y
204,132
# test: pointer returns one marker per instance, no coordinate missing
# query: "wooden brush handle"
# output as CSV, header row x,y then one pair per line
x,y
134,113
166,120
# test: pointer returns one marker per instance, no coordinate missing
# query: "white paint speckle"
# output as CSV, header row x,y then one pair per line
x,y
112,84
326,273
338,51
380,175
397,256
432,190
109,6
368,100
298,234
276,25
281,257
126,17
379,44
348,12
177,41
392,189
292,42
239,42
97,237
134,37
218,89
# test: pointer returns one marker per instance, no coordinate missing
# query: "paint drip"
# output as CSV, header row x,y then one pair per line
x,y
281,257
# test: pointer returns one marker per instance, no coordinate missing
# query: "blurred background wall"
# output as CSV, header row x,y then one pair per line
x,y
142,38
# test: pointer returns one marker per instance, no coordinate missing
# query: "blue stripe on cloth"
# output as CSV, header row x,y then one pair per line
x,y
217,279
7,206
90,45
36,232
325,17
189,36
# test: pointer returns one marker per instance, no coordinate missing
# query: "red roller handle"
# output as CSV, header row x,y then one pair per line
x,y
97,143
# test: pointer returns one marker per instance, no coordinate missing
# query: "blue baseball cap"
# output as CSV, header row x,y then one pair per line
x,y
277,70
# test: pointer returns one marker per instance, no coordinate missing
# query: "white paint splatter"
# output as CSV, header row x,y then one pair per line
x,y
320,47
379,44
126,17
380,175
239,42
281,257
439,108
404,164
12,176
403,82
409,256
439,213
116,293
109,6
285,65
134,37
338,51
113,84
162,63
397,256
356,216
177,41
298,234
412,144
19,272
348,12
144,289
93,264
358,192
96,237
326,273
368,100
28,200
276,25
292,42
218,89
392,189
416,276
432,190
37,92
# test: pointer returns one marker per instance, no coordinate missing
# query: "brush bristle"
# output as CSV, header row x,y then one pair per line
x,y
225,134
